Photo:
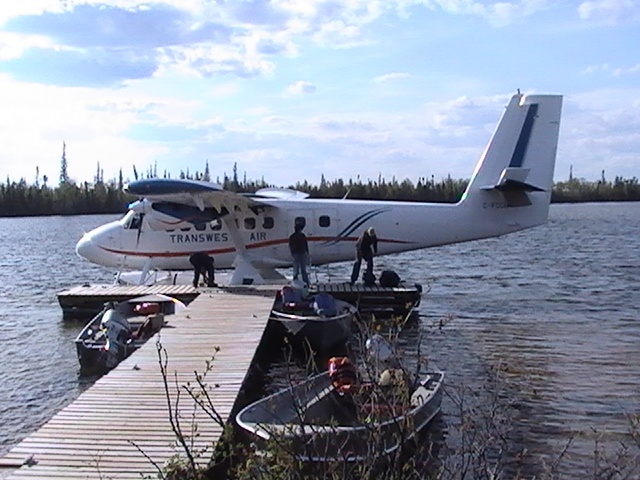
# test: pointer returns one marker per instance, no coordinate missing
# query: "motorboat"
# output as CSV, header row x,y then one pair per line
x,y
334,418
120,329
320,320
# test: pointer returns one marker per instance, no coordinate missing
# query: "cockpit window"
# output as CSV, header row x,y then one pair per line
x,y
132,220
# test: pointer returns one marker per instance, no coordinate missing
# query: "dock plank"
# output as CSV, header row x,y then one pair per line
x,y
92,437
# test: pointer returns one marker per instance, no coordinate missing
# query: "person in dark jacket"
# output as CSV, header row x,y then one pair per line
x,y
299,248
366,248
203,264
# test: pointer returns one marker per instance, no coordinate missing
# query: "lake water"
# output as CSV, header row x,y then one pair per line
x,y
554,310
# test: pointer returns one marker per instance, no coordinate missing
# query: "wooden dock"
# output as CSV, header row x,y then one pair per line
x,y
101,434
377,300
87,300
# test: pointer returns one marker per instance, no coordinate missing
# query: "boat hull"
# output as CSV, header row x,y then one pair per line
x,y
320,332
318,424
99,350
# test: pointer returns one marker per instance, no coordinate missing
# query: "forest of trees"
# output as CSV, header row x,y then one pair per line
x,y
68,198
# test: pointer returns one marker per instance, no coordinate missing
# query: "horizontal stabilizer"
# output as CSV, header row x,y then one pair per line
x,y
513,179
513,185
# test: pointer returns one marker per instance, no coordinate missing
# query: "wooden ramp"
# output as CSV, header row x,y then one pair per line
x,y
99,435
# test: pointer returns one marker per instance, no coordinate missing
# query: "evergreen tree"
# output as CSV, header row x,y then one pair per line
x,y
64,177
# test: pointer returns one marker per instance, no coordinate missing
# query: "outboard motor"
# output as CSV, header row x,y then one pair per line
x,y
117,332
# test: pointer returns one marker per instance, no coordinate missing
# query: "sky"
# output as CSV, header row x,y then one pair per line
x,y
290,90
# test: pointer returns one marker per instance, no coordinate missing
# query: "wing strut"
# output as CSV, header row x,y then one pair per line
x,y
247,269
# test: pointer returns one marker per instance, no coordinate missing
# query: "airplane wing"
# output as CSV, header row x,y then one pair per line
x,y
201,194
195,201
192,193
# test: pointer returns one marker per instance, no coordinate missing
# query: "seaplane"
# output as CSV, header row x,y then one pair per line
x,y
510,190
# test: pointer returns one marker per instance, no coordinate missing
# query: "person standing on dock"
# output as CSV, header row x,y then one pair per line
x,y
203,264
366,248
299,248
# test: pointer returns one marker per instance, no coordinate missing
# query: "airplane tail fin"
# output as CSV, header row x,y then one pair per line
x,y
516,168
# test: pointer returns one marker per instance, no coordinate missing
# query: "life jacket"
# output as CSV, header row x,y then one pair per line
x,y
342,374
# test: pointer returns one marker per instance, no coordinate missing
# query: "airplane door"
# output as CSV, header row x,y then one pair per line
x,y
321,228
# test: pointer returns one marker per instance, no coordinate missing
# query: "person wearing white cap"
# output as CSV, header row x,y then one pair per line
x,y
366,248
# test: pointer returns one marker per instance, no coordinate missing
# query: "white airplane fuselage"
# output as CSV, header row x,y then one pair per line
x,y
510,190
332,228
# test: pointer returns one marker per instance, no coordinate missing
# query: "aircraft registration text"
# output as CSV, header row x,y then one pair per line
x,y
494,205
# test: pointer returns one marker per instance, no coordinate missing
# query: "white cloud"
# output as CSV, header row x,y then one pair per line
x,y
32,7
617,72
593,69
205,39
614,71
300,88
36,119
610,12
496,13
391,77
14,45
207,60
188,103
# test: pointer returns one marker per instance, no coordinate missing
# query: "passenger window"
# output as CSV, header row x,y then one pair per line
x,y
324,221
267,222
216,224
249,223
185,229
200,226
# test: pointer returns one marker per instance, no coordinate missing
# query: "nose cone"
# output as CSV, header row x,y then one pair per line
x,y
85,247
101,245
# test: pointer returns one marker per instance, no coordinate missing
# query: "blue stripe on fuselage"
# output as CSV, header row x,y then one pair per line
x,y
356,223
